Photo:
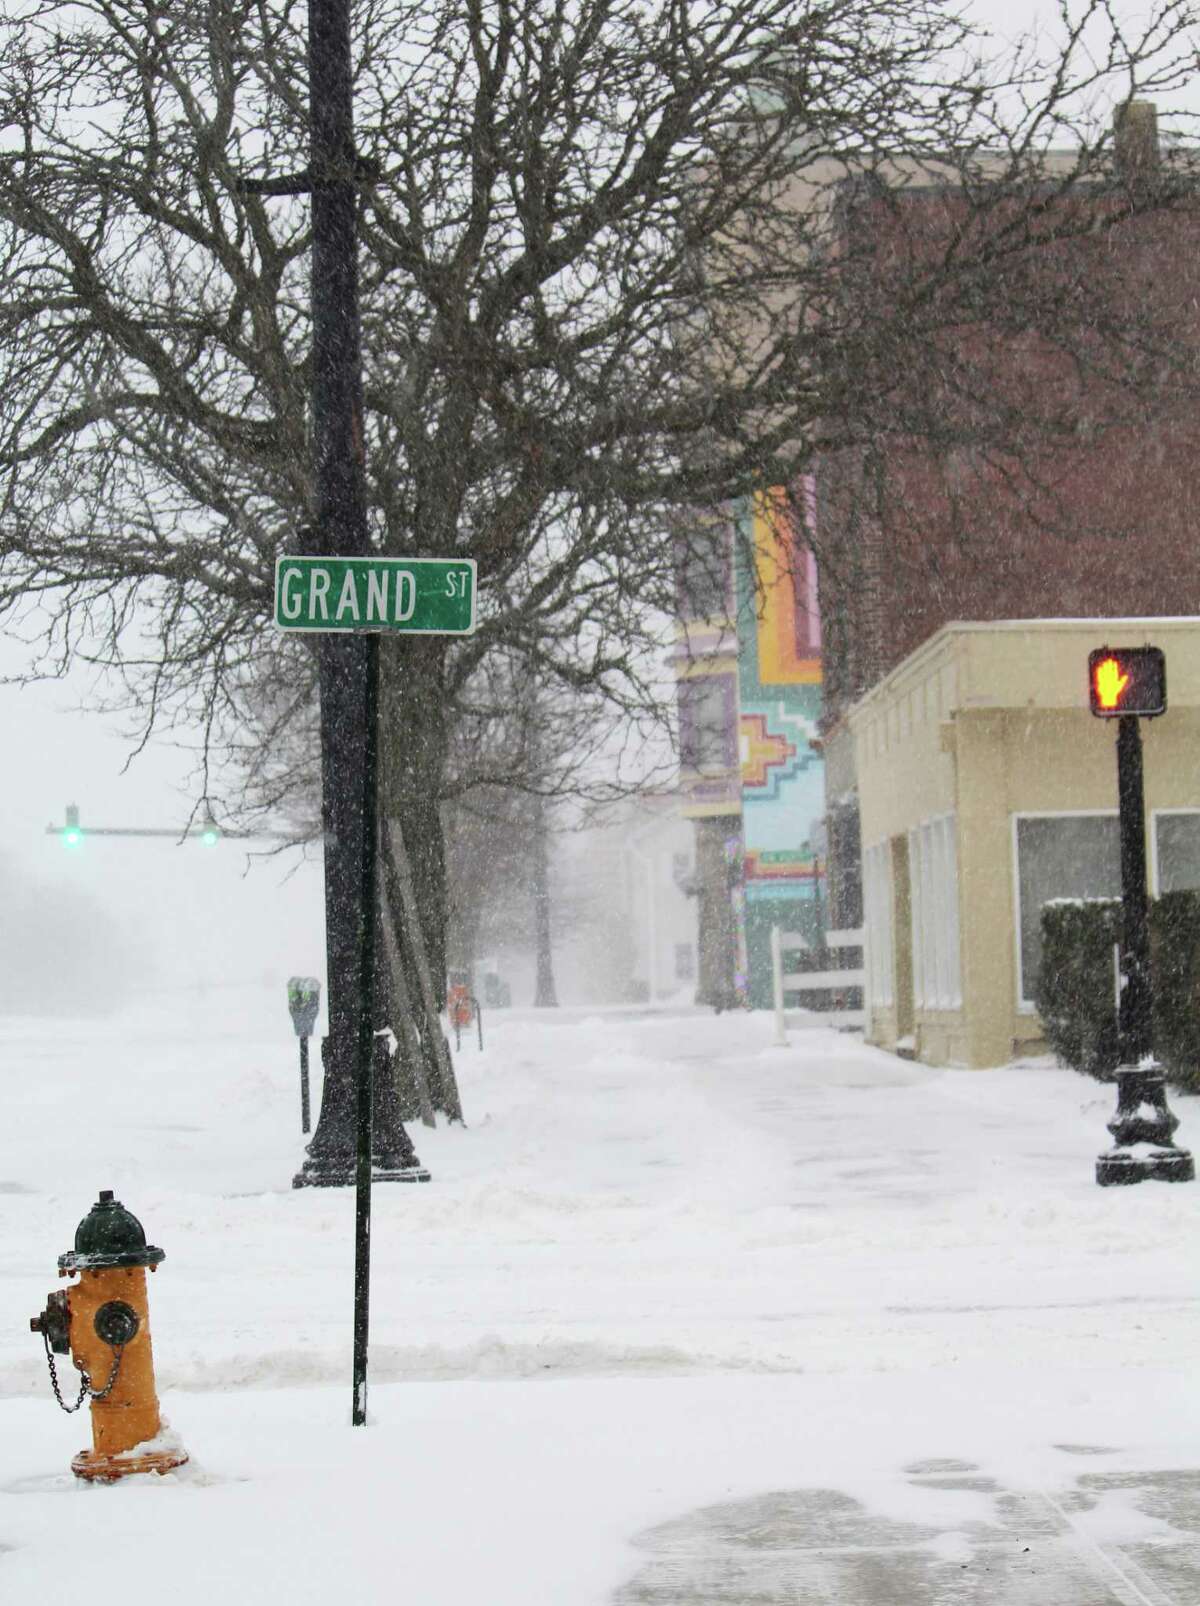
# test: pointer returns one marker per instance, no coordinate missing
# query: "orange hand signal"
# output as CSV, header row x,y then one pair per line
x,y
1110,682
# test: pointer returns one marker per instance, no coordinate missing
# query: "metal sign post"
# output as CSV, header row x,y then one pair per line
x,y
344,593
363,1100
367,597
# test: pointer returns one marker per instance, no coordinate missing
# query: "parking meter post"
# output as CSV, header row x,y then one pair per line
x,y
304,1001
305,1118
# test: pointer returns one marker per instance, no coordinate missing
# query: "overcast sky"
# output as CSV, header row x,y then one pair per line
x,y
178,917
1008,21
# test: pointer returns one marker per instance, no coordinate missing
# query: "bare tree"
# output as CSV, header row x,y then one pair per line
x,y
514,746
600,286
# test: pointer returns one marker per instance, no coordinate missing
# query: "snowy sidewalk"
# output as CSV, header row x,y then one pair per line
x,y
699,1491
680,1312
1033,1548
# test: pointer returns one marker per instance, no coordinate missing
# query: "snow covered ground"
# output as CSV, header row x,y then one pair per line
x,y
665,1265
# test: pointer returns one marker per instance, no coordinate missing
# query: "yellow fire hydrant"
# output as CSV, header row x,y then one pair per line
x,y
103,1323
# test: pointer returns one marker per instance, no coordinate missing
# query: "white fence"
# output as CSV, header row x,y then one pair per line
x,y
811,981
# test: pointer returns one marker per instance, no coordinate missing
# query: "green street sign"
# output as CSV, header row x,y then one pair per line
x,y
426,596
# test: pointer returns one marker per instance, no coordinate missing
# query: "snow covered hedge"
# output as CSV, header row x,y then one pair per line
x,y
1175,952
1076,992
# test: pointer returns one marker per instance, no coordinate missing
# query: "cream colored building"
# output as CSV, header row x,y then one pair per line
x,y
986,787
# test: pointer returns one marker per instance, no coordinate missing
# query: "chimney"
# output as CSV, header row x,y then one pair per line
x,y
1135,140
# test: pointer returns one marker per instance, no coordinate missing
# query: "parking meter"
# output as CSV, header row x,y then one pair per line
x,y
304,1000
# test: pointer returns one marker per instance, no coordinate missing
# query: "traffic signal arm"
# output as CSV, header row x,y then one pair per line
x,y
76,832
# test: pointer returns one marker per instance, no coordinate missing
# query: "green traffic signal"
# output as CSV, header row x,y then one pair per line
x,y
72,833
210,836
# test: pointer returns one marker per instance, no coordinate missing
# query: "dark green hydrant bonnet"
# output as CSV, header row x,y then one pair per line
x,y
109,1235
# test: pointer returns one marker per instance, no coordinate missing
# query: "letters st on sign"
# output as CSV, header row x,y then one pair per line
x,y
1127,680
430,596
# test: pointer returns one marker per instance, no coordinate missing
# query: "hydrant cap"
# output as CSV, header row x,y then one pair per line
x,y
109,1235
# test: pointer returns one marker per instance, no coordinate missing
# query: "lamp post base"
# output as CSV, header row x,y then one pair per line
x,y
1121,1167
1144,1129
332,1156
338,1173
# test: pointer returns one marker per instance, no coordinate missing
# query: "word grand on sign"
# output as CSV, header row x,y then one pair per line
x,y
414,595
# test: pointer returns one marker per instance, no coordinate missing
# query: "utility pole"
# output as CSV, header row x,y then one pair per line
x,y
348,662
359,1137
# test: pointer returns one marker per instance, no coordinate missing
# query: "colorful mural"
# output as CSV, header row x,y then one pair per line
x,y
779,692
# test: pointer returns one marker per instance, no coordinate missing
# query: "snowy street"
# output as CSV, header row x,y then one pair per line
x,y
666,1267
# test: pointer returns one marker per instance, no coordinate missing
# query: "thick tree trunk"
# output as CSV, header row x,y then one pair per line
x,y
717,935
545,995
413,745
464,902
412,764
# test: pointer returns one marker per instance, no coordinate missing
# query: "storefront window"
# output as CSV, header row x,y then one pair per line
x,y
1060,856
1177,841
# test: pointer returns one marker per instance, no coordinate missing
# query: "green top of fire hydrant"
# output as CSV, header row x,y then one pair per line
x,y
109,1235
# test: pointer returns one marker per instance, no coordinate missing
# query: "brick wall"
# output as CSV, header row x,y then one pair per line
x,y
1084,502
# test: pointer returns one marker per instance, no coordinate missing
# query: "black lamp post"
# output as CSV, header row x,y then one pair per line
x,y
1130,684
348,662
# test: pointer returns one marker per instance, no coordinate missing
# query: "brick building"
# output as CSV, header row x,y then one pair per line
x,y
1090,511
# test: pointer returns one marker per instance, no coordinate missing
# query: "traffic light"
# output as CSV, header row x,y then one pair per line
x,y
210,835
72,831
1127,680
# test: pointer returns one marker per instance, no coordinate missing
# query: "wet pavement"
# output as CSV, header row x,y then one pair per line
x,y
1112,1539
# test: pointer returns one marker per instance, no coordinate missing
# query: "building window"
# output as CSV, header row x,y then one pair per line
x,y
877,920
1059,856
1176,850
933,872
703,569
685,962
707,734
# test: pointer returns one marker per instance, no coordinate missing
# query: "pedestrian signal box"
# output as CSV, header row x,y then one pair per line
x,y
1127,680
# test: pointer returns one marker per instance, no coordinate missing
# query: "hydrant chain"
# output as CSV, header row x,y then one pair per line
x,y
86,1391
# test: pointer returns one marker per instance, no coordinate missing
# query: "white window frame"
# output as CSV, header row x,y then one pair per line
x,y
916,916
878,904
946,849
1155,814
933,890
1026,1006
